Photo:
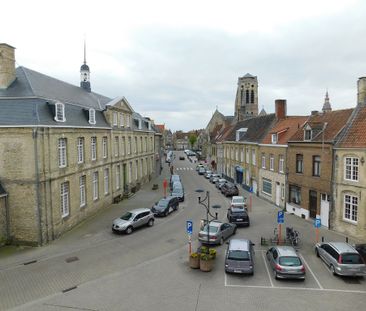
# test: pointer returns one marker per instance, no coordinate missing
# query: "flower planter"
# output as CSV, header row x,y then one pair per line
x,y
194,262
206,265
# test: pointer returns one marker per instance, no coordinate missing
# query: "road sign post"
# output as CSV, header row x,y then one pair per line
x,y
165,185
317,225
189,227
280,221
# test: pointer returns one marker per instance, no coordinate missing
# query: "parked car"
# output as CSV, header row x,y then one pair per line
x,y
132,220
165,206
238,201
214,177
176,184
173,178
208,174
218,232
285,263
229,190
361,248
238,215
220,183
201,170
178,192
239,257
199,166
341,258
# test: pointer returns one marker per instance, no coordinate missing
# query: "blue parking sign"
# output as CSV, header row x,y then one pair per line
x,y
317,223
280,217
189,227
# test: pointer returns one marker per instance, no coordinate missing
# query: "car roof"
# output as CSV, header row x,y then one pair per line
x,y
237,197
239,244
286,251
139,210
342,247
215,223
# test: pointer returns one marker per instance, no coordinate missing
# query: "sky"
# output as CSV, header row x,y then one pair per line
x,y
178,61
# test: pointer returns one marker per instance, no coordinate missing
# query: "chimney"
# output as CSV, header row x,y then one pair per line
x,y
281,108
314,112
7,65
361,91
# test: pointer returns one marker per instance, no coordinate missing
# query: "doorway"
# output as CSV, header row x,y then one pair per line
x,y
313,203
278,194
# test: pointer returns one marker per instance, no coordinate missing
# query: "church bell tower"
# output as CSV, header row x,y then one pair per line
x,y
85,74
246,102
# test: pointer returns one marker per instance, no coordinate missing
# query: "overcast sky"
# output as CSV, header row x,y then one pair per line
x,y
176,61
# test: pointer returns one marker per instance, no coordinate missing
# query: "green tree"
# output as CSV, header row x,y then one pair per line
x,y
192,139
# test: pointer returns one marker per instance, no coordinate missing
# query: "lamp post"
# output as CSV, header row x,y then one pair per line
x,y
206,204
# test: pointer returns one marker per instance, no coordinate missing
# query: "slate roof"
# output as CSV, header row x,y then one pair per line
x,y
355,135
28,100
332,122
223,133
258,128
285,129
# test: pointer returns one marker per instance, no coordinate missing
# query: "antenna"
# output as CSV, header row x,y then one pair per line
x,y
84,48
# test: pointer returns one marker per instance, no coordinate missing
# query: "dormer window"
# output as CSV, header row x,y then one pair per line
x,y
91,116
115,119
128,121
308,133
60,112
140,124
274,138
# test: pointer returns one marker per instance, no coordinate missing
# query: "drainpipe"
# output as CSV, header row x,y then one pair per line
x,y
38,209
7,218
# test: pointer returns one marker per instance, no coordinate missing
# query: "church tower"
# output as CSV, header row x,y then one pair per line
x,y
85,74
246,102
326,106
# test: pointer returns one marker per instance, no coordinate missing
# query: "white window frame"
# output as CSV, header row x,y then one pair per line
x,y
62,152
93,147
271,162
128,121
129,146
274,138
60,112
242,155
115,119
308,137
116,146
80,149
316,165
351,169
65,199
265,180
82,186
92,116
121,120
123,145
254,161
106,181
350,202
247,157
95,186
281,164
118,177
263,160
105,147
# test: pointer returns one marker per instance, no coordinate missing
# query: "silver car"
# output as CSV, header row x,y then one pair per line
x,y
239,257
285,263
341,258
132,220
218,232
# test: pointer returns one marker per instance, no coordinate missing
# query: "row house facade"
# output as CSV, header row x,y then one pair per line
x,y
65,152
310,164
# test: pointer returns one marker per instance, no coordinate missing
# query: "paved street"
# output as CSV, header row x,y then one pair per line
x,y
90,268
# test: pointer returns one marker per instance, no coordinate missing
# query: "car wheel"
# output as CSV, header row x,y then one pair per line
x,y
275,274
234,232
129,230
221,241
332,270
317,253
150,223
166,213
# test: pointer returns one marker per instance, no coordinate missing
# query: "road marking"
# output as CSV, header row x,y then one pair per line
x,y
265,263
311,271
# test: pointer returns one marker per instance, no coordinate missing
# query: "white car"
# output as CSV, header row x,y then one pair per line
x,y
238,201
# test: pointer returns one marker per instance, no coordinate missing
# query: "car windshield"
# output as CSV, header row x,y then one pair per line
x,y
290,261
126,216
213,229
163,203
238,201
177,191
238,255
237,210
353,259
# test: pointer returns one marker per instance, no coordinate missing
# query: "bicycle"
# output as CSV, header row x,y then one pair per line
x,y
292,236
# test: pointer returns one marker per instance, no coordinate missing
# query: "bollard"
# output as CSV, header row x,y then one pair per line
x,y
346,239
322,239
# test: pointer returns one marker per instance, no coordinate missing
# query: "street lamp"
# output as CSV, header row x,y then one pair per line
x,y
206,204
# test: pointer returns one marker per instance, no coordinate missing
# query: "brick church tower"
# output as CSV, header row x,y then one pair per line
x,y
246,102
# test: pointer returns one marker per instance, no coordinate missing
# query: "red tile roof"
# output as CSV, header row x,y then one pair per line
x,y
285,129
332,122
355,135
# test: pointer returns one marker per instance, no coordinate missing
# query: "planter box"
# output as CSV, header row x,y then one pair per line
x,y
194,263
206,265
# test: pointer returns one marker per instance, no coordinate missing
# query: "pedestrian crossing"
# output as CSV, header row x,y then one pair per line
x,y
184,168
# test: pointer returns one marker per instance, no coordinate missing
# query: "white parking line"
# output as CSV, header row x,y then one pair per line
x,y
311,271
265,263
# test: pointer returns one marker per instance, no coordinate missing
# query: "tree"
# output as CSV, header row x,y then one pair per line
x,y
192,139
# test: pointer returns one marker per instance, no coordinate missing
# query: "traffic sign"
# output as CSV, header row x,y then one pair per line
x,y
317,223
280,217
189,227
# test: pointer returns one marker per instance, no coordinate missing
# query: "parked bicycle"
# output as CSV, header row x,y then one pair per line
x,y
292,236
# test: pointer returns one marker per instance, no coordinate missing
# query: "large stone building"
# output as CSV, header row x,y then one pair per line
x,y
246,101
65,152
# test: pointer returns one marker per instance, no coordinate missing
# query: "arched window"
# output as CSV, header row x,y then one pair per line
x,y
247,96
252,97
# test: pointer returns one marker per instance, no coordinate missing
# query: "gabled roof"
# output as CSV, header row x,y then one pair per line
x,y
355,134
257,127
326,126
285,129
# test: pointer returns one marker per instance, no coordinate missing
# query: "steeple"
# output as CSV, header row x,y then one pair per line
x,y
85,73
326,107
246,101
